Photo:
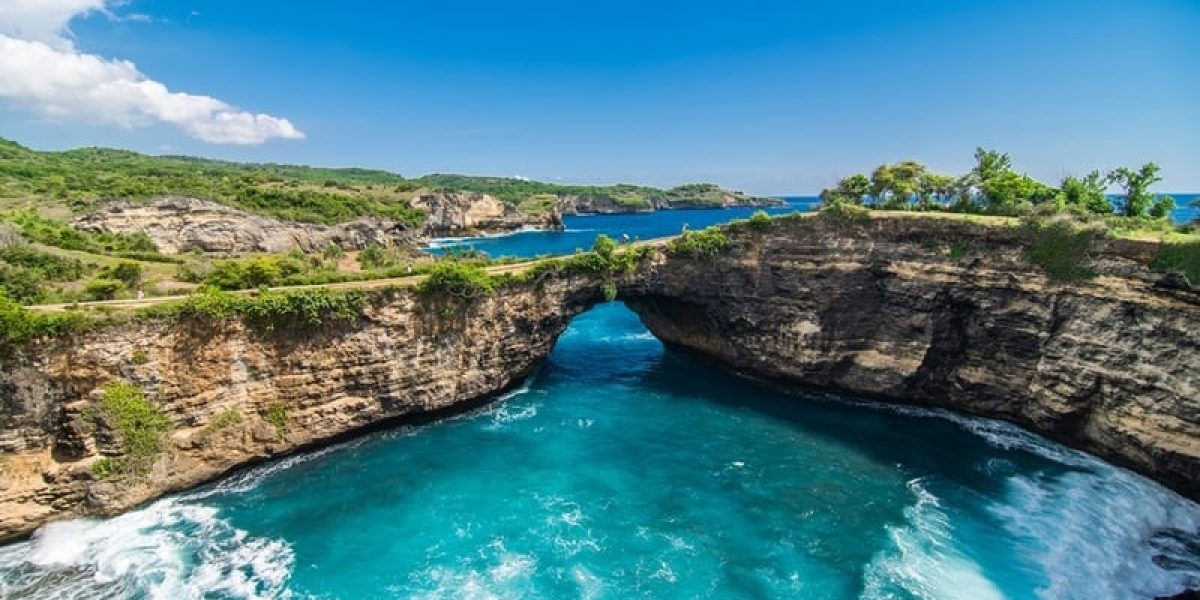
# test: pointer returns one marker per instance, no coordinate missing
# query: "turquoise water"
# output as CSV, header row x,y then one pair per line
x,y
621,470
580,231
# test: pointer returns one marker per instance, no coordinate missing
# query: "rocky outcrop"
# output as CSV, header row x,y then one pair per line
x,y
950,314
225,388
692,196
913,310
178,224
462,214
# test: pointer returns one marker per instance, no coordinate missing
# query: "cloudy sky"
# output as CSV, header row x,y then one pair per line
x,y
771,96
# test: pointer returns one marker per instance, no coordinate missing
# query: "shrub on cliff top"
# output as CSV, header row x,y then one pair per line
x,y
1061,248
706,243
270,310
843,214
458,281
1179,258
19,325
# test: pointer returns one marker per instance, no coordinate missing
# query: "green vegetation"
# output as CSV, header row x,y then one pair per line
x,y
457,281
532,196
993,187
270,310
78,179
277,415
139,357
1182,258
19,325
141,425
102,289
1061,246
47,231
844,214
706,243
224,419
759,221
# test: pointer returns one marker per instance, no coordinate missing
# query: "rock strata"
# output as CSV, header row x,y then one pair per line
x,y
179,224
226,389
950,314
919,311
462,214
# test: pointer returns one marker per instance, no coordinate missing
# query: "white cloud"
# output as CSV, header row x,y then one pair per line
x,y
42,71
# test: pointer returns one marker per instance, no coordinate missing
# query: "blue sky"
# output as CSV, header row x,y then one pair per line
x,y
770,97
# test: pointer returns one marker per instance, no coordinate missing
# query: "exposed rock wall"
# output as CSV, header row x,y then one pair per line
x,y
908,310
468,214
1110,365
179,224
404,357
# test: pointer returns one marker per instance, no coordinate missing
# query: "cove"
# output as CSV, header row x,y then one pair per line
x,y
625,470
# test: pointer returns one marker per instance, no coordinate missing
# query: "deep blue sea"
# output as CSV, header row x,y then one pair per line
x,y
623,470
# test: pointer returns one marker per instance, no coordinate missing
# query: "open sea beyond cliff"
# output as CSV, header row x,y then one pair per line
x,y
622,470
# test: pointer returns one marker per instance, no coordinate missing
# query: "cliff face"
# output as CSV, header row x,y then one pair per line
x,y
178,224
920,311
226,388
950,314
468,214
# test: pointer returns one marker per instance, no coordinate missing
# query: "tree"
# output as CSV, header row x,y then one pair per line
x,y
990,164
1136,184
882,181
933,186
1086,193
850,189
1162,207
129,273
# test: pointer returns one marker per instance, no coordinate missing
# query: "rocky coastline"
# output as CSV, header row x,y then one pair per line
x,y
901,309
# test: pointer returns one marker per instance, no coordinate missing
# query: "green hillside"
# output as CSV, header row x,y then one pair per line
x,y
59,184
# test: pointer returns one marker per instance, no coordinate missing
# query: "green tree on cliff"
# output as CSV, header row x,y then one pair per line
x,y
1139,201
1085,193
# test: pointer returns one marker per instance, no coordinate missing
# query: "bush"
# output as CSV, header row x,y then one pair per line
x,y
1061,248
376,257
21,285
289,309
759,221
454,280
141,425
844,214
19,325
1179,258
277,415
707,243
45,265
128,273
103,289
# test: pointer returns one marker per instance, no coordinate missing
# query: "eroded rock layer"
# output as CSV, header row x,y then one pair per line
x,y
236,395
950,314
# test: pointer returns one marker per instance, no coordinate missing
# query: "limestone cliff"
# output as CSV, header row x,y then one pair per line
x,y
950,314
180,224
226,388
924,311
461,214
